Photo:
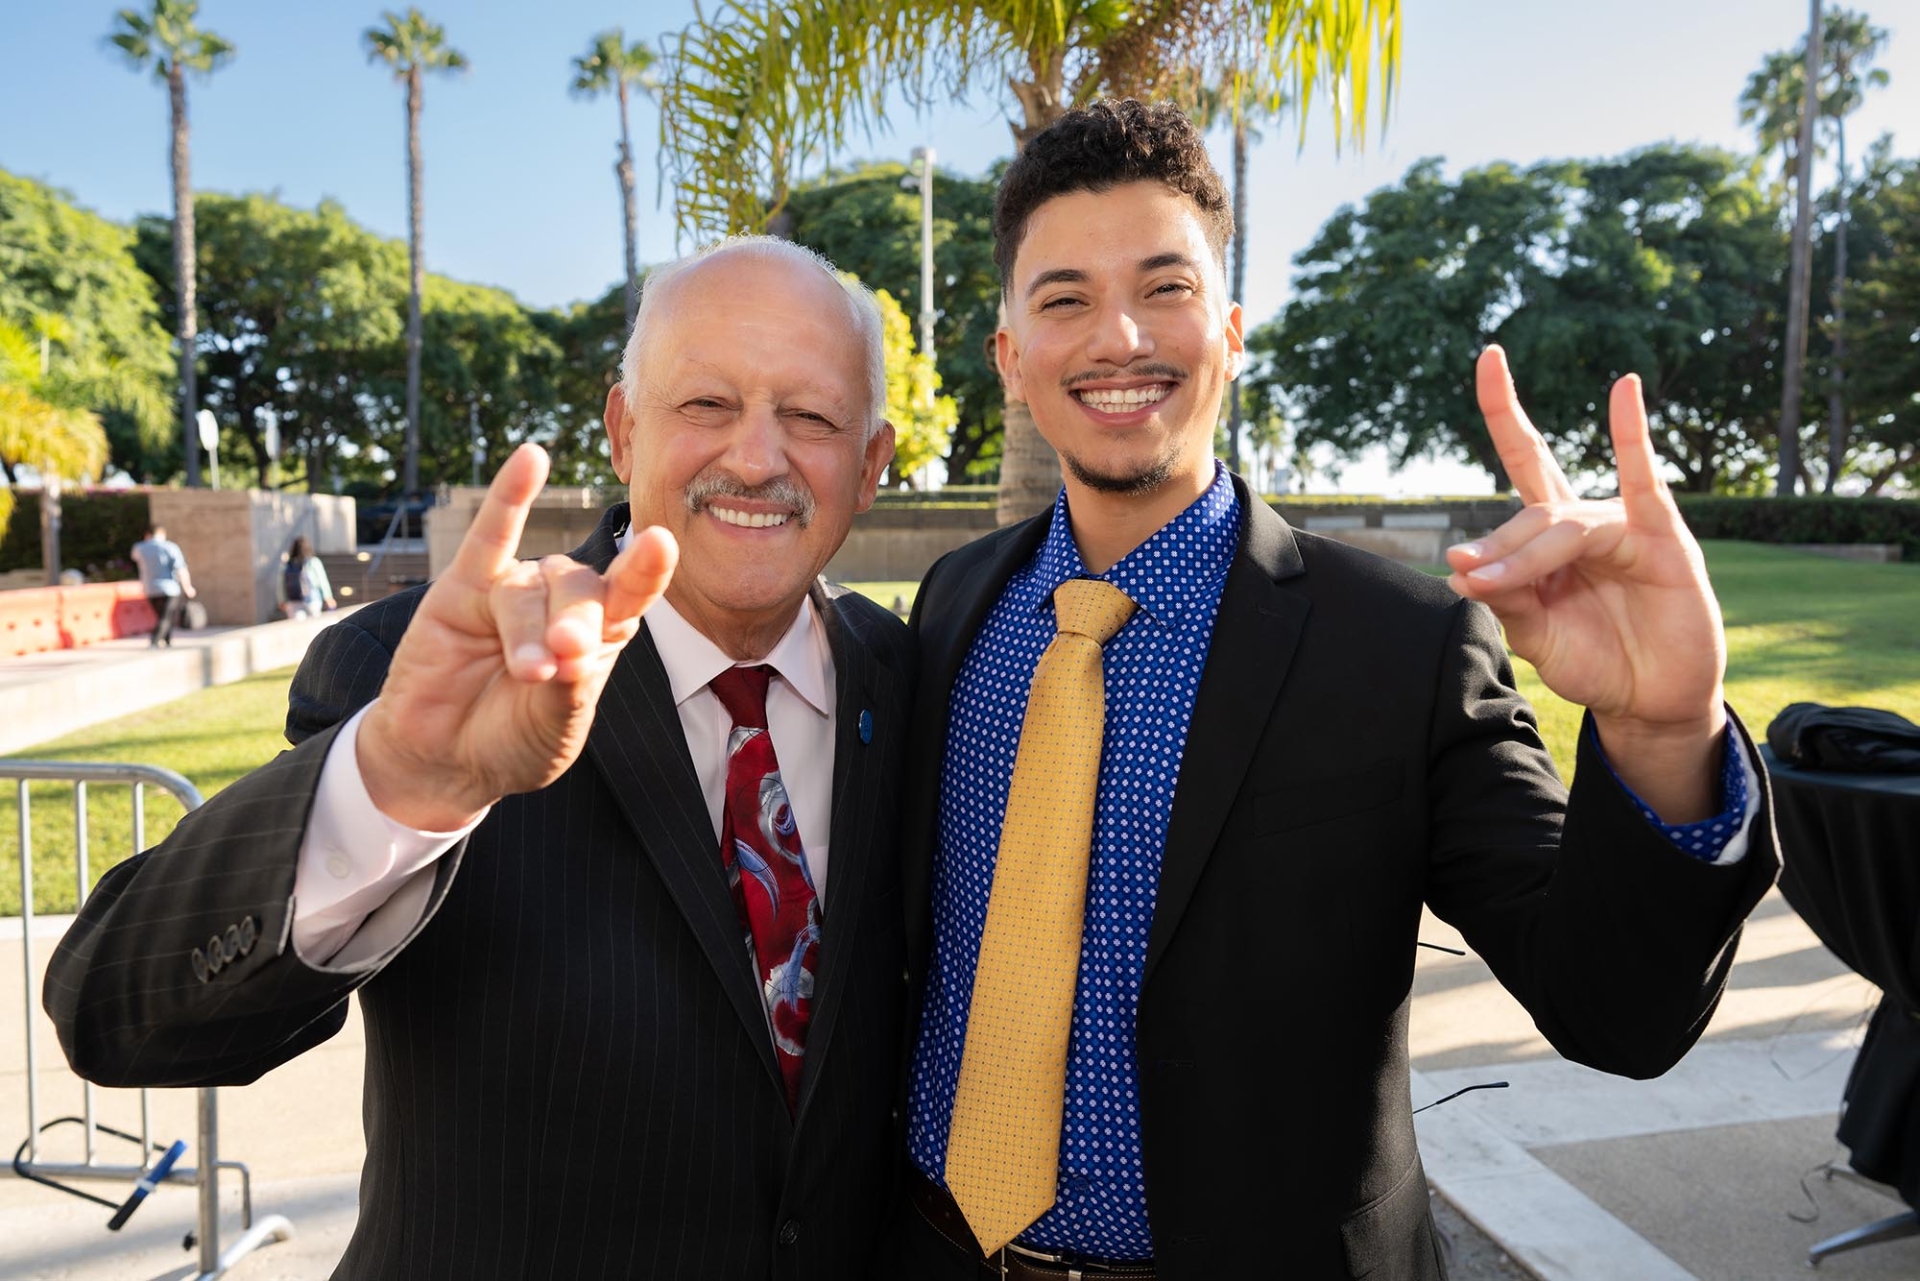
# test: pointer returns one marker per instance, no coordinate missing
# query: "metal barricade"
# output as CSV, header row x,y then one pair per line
x,y
157,1161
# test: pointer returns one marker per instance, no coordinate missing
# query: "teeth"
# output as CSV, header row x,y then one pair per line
x,y
1128,399
748,520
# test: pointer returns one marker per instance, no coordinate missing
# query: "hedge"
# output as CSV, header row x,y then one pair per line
x,y
1806,520
97,530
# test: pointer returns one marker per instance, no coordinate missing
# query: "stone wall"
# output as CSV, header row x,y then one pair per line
x,y
235,539
560,521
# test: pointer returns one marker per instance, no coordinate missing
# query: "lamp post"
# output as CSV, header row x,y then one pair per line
x,y
923,159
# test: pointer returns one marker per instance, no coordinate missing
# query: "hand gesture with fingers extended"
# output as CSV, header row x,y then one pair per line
x,y
494,685
1609,600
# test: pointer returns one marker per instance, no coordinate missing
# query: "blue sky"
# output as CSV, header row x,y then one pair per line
x,y
520,190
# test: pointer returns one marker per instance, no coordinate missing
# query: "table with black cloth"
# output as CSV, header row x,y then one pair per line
x,y
1850,846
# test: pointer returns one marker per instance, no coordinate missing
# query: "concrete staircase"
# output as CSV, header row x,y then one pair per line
x,y
356,582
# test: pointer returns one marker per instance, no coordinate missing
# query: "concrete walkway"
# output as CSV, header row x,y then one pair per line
x,y
43,696
1712,1171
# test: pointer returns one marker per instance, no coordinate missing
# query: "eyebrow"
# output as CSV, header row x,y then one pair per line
x,y
1075,276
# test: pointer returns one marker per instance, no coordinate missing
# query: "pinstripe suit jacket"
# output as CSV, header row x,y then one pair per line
x,y
568,1069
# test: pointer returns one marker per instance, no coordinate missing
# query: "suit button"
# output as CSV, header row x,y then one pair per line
x,y
230,943
200,970
214,959
789,1232
249,932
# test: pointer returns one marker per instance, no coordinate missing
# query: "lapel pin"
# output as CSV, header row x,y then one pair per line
x,y
866,727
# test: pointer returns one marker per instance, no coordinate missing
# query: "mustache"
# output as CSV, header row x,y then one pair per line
x,y
779,492
1150,369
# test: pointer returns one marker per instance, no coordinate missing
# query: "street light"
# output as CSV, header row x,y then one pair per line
x,y
923,179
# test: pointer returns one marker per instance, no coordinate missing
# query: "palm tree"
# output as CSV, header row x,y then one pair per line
x,y
1838,54
166,38
759,86
1800,268
1231,101
1851,44
611,63
413,46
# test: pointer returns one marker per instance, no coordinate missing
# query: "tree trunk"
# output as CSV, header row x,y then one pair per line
x,y
1836,385
416,234
1237,290
1799,282
1029,469
623,170
187,325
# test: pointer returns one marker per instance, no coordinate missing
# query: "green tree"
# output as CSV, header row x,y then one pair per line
x,y
588,338
166,38
760,86
413,46
610,63
1881,320
299,309
1662,262
1394,300
868,224
68,278
45,424
922,418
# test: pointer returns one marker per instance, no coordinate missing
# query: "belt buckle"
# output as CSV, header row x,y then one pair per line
x,y
1053,1260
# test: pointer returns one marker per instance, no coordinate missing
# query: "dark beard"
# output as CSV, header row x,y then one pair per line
x,y
1144,481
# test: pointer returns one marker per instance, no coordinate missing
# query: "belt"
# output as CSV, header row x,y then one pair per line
x,y
1014,1262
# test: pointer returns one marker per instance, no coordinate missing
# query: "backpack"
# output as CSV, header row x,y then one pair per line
x,y
293,583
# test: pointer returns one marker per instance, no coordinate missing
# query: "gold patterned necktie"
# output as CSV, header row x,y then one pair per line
x,y
1003,1150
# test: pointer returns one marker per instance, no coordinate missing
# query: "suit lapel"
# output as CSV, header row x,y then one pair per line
x,y
1254,636
865,702
638,747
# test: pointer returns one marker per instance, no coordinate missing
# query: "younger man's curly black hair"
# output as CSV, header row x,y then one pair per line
x,y
1099,147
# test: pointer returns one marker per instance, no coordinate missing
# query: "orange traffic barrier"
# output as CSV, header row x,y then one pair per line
x,y
35,620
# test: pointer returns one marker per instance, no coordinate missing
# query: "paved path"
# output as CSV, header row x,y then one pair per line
x,y
1709,1172
44,696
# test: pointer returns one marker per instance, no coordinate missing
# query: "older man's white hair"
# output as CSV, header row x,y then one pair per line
x,y
862,309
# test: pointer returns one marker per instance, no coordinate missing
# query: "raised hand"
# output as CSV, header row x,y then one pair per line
x,y
1609,600
494,685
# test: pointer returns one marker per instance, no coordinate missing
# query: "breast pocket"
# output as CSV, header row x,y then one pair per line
x,y
1300,801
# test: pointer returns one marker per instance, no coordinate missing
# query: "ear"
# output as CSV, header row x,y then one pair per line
x,y
1236,343
1006,358
620,433
878,454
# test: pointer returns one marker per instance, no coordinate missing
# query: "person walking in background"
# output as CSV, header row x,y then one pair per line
x,y
302,588
164,579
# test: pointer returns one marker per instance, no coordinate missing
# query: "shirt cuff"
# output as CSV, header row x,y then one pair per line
x,y
1722,839
362,879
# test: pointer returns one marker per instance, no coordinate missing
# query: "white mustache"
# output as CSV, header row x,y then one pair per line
x,y
781,492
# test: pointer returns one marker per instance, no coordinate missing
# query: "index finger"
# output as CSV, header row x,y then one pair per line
x,y
1523,451
494,537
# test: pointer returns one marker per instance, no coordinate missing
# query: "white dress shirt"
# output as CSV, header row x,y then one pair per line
x,y
363,880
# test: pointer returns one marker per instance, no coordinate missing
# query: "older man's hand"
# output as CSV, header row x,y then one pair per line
x,y
1608,600
494,685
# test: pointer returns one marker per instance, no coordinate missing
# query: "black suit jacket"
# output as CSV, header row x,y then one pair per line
x,y
1357,747
568,1068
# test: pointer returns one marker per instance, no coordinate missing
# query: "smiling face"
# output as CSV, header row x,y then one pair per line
x,y
747,437
1121,339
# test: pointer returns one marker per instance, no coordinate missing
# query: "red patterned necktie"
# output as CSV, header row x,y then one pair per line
x,y
767,870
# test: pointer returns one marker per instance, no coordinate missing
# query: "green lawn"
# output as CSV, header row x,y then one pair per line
x,y
212,738
1799,629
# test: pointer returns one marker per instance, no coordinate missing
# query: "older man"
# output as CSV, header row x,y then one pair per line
x,y
617,894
